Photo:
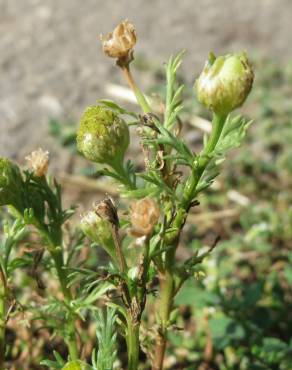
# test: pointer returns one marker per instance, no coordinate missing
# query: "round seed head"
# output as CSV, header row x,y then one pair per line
x,y
103,137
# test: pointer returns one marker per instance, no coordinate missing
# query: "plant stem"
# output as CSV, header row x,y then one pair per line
x,y
193,180
167,287
133,344
139,95
2,323
63,279
166,301
190,188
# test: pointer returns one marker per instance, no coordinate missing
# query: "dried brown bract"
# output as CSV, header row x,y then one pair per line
x,y
106,209
144,215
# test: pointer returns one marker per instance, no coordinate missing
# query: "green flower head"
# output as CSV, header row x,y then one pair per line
x,y
103,137
11,184
225,82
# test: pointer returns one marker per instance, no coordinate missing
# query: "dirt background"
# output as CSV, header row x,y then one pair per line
x,y
51,64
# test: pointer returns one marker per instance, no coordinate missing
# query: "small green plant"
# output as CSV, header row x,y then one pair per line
x,y
142,242
13,233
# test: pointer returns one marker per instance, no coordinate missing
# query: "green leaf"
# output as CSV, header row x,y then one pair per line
x,y
93,296
192,295
107,336
56,365
173,91
52,365
232,135
225,330
273,351
288,274
117,108
271,344
252,294
166,137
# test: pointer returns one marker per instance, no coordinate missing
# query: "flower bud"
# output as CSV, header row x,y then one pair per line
x,y
99,230
119,43
144,216
103,137
225,82
11,184
38,162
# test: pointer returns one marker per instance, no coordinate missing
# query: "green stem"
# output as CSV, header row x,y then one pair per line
x,y
135,311
63,279
191,185
193,180
165,307
133,344
217,123
2,323
139,95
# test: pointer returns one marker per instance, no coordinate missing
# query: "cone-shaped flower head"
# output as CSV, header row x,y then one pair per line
x,y
119,43
98,230
103,137
225,82
11,184
144,216
38,162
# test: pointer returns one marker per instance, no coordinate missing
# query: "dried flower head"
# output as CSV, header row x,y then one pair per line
x,y
225,82
119,43
38,162
144,216
102,137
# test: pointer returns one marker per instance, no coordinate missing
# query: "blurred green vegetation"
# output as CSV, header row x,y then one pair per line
x,y
240,314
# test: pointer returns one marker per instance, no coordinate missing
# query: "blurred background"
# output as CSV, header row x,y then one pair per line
x,y
52,65
239,317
